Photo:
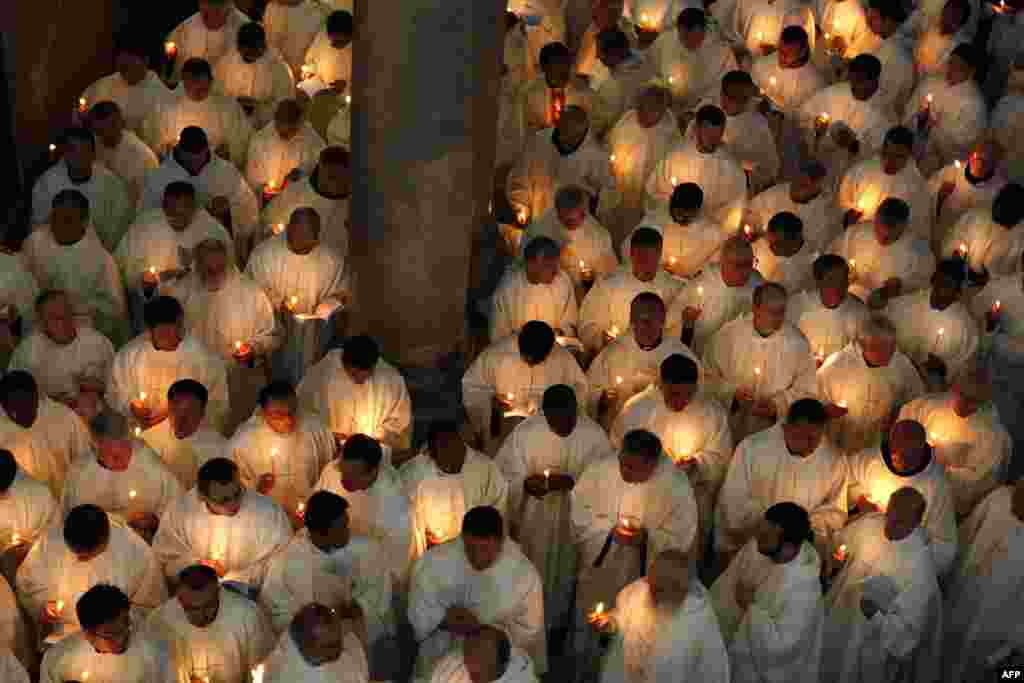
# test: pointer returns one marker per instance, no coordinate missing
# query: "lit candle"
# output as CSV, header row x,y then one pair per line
x,y
138,432
853,266
671,79
59,607
613,331
510,397
996,306
962,250
83,106
308,71
700,297
15,539
821,122
300,510
820,355
547,479
842,403
142,397
938,338
293,303
760,36
132,494
841,553
53,148
277,228
674,181
748,231
348,99
612,158
521,216
257,674
958,165
757,380
599,609
150,280
671,263
85,676
618,381
171,49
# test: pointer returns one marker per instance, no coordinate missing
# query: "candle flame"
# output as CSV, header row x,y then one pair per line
x,y
942,331
853,264
348,99
672,260
85,676
747,230
138,432
301,508
614,331
928,98
170,47
142,395
824,116
674,181
294,301
278,228
612,157
842,403
272,186
618,380
582,265
671,79
132,494
957,164
82,103
997,305
60,606
53,147
238,346
15,539
700,291
772,81
510,396
547,473
599,609
152,270
757,371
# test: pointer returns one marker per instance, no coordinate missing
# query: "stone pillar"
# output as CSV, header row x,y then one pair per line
x,y
425,95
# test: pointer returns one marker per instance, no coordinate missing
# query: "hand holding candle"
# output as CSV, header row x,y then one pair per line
x,y
629,531
600,619
242,352
840,554
150,281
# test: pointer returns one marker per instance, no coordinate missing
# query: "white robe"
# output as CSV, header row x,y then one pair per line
x,y
869,120
975,450
151,242
18,287
333,212
184,457
967,193
870,475
749,138
543,526
508,595
60,369
89,482
218,178
47,448
898,76
691,75
225,650
541,170
287,665
292,29
243,544
27,508
792,86
534,105
220,117
438,501
719,175
145,661
52,572
627,369
302,573
330,64
607,304
827,330
909,258
11,670
339,130
983,598
590,242
135,101
961,117
270,158
778,636
129,161
452,669
380,407
763,473
933,48
870,394
990,246
917,331
110,209
618,91
637,151
719,304
295,460
517,301
587,62
267,81
795,273
901,642
822,222
699,431
139,367
239,311
867,185
686,249
550,27
501,370
785,360
381,512
87,272
194,39
655,645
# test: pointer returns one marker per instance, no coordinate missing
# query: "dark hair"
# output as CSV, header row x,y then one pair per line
x,y
679,369
893,211
163,310
541,247
193,140
794,521
951,269
559,399
794,34
536,340
188,387
252,34
737,77
867,65
807,410
646,238
364,449
323,509
826,263
687,196
612,39
180,188
78,134
340,21
101,604
218,470
72,198
647,298
278,390
786,224
8,469
692,18
971,55
17,382
104,110
643,443
710,115
483,521
900,135
360,352
439,427
197,576
890,9
196,67
86,528
1008,206
554,52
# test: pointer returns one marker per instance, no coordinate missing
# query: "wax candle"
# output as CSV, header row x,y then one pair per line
x,y
171,50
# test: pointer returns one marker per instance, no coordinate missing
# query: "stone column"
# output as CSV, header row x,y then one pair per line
x,y
425,96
